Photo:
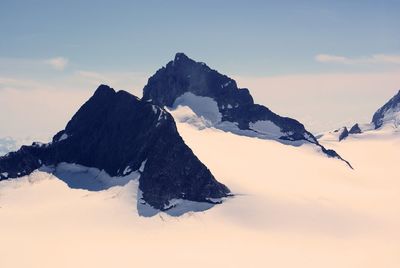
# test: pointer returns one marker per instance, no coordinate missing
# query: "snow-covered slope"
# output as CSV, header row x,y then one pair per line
x,y
317,213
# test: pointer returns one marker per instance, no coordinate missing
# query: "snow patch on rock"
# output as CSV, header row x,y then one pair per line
x,y
126,170
154,109
63,137
142,166
226,84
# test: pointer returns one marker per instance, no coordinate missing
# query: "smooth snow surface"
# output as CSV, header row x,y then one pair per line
x,y
293,208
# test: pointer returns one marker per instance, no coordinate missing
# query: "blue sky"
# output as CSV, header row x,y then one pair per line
x,y
256,37
325,63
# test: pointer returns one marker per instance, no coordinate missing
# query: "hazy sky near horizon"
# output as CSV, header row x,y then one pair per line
x,y
325,63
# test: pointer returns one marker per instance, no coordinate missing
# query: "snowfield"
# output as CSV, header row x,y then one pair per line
x,y
293,208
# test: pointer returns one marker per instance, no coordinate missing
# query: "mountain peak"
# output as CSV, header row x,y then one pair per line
x,y
388,113
194,84
118,133
182,61
181,56
104,89
344,134
355,129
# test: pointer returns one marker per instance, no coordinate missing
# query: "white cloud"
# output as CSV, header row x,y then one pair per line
x,y
18,64
373,59
58,63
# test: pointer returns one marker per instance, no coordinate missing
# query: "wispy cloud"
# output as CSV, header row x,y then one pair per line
x,y
373,59
35,64
58,63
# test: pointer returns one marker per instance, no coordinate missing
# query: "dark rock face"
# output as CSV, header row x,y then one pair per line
x,y
355,129
344,134
379,116
184,75
116,130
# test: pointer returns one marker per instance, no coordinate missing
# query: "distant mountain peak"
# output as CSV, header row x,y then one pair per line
x,y
104,88
355,129
180,56
388,113
344,134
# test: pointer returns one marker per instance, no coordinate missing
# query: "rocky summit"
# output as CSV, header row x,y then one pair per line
x,y
355,129
235,104
118,133
344,134
184,77
388,113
